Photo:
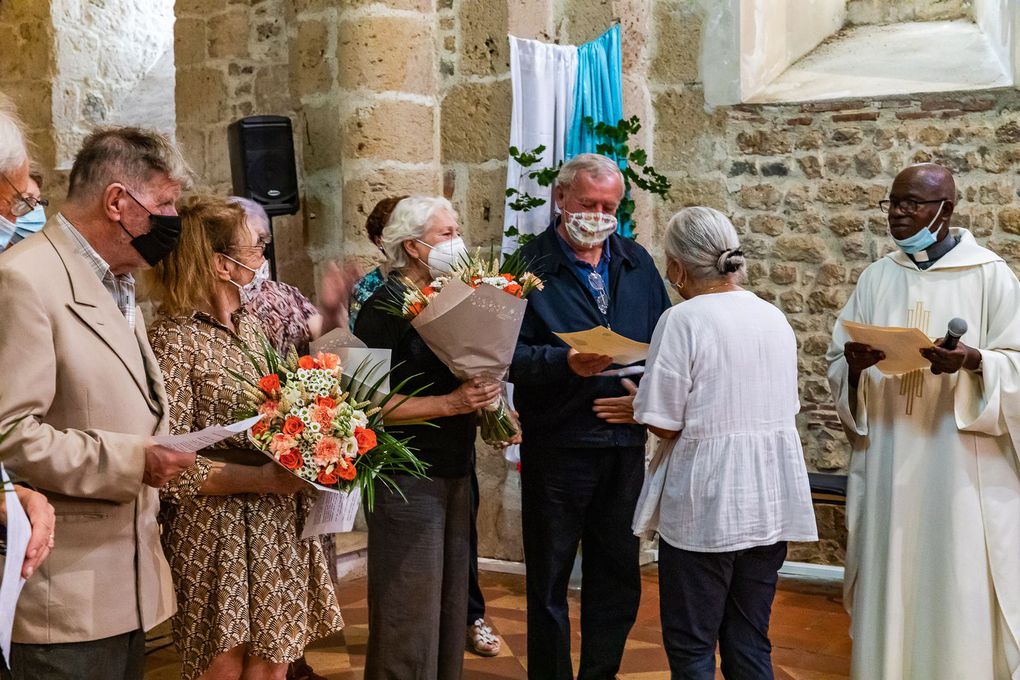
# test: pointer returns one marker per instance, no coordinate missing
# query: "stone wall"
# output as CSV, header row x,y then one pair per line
x,y
114,66
894,11
27,65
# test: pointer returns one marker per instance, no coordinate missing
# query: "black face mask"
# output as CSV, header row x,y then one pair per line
x,y
164,232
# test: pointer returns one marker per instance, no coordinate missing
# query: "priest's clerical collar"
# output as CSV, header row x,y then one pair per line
x,y
930,256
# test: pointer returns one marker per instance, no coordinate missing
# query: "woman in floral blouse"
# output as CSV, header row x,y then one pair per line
x,y
251,595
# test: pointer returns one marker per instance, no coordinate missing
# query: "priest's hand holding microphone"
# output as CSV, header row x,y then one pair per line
x,y
949,355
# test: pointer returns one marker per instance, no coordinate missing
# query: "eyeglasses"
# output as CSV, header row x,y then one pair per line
x,y
907,206
599,286
261,246
22,203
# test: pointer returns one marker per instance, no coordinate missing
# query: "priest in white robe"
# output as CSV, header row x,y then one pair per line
x,y
933,500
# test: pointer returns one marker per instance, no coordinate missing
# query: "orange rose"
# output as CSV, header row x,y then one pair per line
x,y
415,309
306,362
327,478
259,428
269,383
327,360
325,402
428,291
508,277
514,290
291,459
475,280
293,426
347,472
366,439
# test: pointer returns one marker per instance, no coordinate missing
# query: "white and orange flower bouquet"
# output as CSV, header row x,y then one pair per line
x,y
324,426
470,319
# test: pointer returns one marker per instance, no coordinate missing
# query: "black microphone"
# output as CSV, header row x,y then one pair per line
x,y
957,327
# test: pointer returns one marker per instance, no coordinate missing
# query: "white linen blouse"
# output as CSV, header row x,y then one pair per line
x,y
722,369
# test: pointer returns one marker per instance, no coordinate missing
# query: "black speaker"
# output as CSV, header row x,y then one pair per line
x,y
262,162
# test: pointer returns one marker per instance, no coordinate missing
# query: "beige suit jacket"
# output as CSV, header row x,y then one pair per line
x,y
83,394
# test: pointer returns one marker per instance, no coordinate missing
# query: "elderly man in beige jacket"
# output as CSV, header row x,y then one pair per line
x,y
83,398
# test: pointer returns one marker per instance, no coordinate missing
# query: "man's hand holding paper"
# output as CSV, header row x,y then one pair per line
x,y
602,343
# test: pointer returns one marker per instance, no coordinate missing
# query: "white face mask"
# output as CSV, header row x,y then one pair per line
x,y
444,257
249,290
589,229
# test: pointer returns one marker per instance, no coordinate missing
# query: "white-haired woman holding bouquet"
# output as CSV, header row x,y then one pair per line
x,y
418,548
728,487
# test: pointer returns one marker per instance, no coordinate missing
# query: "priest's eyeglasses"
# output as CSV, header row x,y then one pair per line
x,y
907,206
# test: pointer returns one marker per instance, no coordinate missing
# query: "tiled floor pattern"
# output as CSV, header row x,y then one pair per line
x,y
809,634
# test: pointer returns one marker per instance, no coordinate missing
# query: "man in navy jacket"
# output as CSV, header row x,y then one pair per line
x,y
581,474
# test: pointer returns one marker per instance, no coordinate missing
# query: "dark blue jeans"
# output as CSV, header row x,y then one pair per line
x,y
476,600
723,597
586,495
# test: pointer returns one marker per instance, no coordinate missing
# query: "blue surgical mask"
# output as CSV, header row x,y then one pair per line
x,y
923,239
7,230
30,223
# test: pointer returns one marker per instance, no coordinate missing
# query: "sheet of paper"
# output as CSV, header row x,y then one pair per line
x,y
19,530
512,453
336,339
601,340
196,441
332,513
369,364
901,346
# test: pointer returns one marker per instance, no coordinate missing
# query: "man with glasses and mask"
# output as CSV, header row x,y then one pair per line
x,y
81,403
582,457
14,203
933,503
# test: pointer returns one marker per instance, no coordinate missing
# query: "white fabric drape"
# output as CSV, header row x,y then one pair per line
x,y
543,78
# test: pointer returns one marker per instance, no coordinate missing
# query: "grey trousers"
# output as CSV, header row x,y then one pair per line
x,y
121,657
418,555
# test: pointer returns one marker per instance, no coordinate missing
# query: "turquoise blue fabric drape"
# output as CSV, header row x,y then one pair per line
x,y
598,94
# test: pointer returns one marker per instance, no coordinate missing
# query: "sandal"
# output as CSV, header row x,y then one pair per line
x,y
481,640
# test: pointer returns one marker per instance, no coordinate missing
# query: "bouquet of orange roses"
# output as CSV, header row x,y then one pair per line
x,y
324,426
470,319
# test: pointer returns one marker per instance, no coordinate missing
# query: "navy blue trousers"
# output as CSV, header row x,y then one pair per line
x,y
587,496
725,597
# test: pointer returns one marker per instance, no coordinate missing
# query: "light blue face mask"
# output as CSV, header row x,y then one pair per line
x,y
30,223
6,232
923,239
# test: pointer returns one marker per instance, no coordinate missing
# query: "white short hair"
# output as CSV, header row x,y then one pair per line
x,y
253,211
409,221
592,164
13,150
704,241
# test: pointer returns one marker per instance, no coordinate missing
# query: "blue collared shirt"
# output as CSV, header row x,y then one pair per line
x,y
583,269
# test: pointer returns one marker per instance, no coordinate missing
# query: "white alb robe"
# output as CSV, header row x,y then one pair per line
x,y
933,505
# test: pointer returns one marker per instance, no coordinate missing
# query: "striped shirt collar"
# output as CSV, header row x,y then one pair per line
x,y
121,287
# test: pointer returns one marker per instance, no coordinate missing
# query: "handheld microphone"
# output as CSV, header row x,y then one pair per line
x,y
957,327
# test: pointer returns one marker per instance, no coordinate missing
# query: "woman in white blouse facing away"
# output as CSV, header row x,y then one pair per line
x,y
727,487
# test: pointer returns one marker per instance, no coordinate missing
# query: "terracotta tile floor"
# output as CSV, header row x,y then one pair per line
x,y
809,634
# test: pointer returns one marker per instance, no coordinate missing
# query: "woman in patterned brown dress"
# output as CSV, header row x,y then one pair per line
x,y
250,594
